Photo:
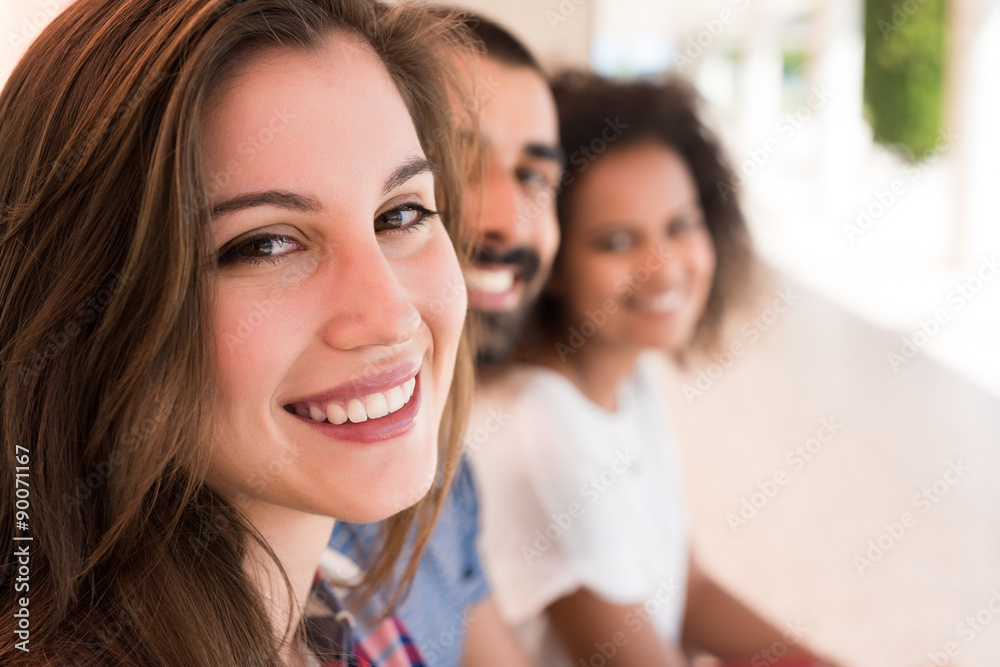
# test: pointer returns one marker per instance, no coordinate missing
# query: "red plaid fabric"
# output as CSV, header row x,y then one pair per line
x,y
800,660
330,635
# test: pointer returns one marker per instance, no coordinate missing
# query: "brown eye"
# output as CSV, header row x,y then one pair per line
x,y
405,217
684,224
266,247
533,178
618,242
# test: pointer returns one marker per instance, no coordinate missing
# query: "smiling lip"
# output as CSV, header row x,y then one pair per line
x,y
363,386
392,425
494,287
670,302
388,426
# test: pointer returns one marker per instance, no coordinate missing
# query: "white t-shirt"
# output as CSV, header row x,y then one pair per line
x,y
573,496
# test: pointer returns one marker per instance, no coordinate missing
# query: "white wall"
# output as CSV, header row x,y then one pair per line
x,y
20,23
557,32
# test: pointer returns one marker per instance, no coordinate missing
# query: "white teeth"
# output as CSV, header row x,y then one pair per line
x,y
316,414
356,411
666,302
376,406
494,281
336,414
395,398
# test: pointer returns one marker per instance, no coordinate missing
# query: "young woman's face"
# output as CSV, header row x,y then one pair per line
x,y
637,260
340,300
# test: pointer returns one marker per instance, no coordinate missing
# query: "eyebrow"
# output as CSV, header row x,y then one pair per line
x,y
627,226
407,171
546,152
301,203
533,149
277,198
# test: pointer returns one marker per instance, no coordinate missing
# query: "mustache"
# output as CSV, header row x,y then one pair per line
x,y
525,259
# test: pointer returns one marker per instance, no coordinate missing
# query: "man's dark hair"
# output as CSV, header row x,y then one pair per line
x,y
500,44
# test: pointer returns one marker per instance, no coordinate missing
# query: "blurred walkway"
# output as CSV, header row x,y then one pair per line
x,y
883,250
790,530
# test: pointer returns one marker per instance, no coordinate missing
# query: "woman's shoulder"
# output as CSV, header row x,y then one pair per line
x,y
530,407
532,422
531,387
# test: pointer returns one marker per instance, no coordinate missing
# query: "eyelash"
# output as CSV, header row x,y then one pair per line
x,y
425,215
231,254
535,178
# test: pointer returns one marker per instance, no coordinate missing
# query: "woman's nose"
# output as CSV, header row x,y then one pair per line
x,y
664,267
368,305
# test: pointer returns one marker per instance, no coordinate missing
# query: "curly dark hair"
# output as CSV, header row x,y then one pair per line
x,y
669,113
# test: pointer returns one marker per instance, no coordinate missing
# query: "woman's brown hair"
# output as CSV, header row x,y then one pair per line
x,y
105,256
668,113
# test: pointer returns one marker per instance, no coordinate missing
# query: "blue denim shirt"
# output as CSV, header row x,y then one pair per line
x,y
449,580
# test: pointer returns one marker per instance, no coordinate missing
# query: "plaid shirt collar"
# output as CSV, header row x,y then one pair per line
x,y
333,639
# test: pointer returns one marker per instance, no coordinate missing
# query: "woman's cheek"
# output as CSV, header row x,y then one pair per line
x,y
249,326
586,283
443,302
609,276
704,260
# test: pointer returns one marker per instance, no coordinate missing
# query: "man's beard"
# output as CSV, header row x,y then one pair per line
x,y
497,333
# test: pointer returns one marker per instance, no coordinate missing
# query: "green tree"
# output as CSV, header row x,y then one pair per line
x,y
904,72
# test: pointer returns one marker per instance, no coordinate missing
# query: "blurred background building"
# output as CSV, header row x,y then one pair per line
x,y
865,141
821,203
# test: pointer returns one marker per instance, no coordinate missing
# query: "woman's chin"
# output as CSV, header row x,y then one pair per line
x,y
390,495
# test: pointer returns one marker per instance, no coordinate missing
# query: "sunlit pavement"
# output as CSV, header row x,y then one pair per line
x,y
829,487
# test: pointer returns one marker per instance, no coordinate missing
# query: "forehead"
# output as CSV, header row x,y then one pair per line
x,y
518,108
313,120
635,183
